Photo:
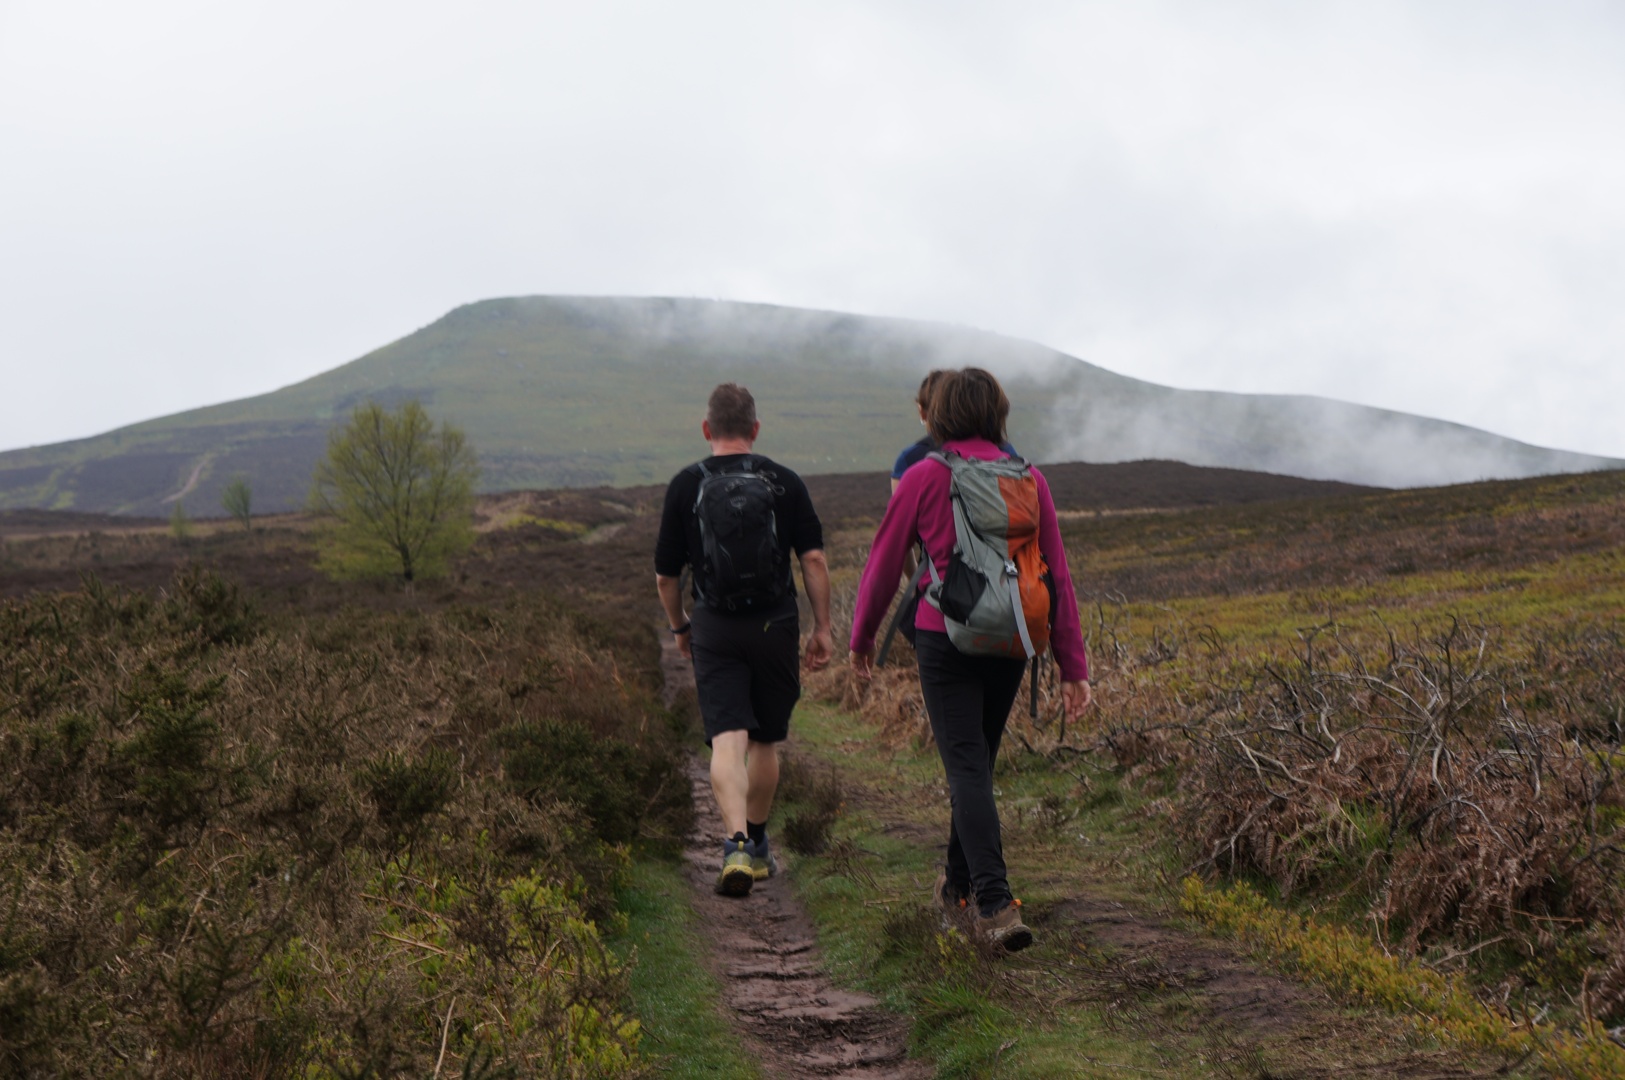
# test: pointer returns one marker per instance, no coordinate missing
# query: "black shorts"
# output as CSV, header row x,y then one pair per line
x,y
747,669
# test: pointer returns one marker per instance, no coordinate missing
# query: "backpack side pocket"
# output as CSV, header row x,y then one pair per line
x,y
961,590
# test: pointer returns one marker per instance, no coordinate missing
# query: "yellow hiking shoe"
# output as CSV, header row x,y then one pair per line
x,y
762,863
737,875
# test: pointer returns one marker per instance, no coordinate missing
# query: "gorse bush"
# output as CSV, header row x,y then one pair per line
x,y
621,787
209,607
233,847
408,791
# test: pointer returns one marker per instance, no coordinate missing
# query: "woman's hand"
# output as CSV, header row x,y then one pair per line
x,y
863,664
1075,698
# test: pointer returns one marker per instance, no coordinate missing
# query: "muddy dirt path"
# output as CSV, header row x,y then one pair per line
x,y
764,953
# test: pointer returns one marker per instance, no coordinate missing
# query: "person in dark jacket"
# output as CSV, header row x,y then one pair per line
x,y
916,452
968,698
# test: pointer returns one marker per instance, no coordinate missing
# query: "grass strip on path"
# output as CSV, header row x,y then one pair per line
x,y
674,994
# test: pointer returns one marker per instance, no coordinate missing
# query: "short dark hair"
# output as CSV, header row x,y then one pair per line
x,y
731,412
968,404
928,387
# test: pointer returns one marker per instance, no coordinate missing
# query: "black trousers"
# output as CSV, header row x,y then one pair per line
x,y
968,699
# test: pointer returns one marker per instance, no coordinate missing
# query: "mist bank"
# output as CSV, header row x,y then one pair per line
x,y
1312,437
577,391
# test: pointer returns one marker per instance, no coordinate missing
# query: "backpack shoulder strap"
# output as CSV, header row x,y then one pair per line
x,y
702,474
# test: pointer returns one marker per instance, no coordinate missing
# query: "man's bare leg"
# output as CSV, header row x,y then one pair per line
x,y
762,766
731,780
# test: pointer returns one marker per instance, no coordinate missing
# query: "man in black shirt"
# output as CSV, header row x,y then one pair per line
x,y
743,644
917,452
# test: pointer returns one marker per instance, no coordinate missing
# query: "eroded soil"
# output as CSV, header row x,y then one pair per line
x,y
764,952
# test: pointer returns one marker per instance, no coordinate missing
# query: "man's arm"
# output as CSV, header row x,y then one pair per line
x,y
671,598
815,576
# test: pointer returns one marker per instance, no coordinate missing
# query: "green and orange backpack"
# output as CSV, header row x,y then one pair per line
x,y
997,595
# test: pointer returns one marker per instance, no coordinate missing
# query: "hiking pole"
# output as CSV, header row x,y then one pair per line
x,y
903,605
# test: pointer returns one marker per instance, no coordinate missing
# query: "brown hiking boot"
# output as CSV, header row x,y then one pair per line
x,y
1004,928
952,907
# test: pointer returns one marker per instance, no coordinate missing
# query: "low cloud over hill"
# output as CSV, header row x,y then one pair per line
x,y
560,391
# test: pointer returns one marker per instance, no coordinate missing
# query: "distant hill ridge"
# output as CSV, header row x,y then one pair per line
x,y
576,391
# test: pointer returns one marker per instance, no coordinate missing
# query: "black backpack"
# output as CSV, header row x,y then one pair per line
x,y
739,537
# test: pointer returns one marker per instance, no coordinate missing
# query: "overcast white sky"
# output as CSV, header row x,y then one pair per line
x,y
1419,206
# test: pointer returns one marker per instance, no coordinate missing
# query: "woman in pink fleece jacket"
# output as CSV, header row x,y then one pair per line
x,y
967,697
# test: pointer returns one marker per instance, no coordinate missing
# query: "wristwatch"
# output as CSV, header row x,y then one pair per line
x,y
679,631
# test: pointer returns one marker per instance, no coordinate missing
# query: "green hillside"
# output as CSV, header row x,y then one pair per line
x,y
559,391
